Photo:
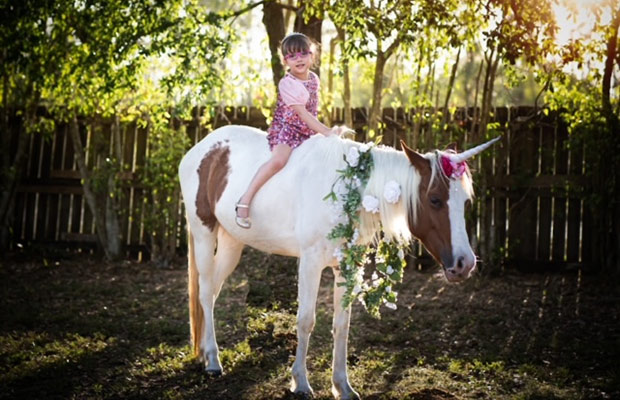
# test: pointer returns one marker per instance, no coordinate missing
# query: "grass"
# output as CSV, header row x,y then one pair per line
x,y
75,328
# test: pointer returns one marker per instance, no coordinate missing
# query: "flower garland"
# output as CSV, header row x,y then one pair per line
x,y
345,200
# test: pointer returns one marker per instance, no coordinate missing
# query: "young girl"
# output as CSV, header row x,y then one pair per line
x,y
294,120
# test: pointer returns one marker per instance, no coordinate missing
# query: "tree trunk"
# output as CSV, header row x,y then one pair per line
x,y
417,112
444,118
11,174
12,163
274,25
375,111
112,206
327,103
475,121
346,93
311,28
609,256
487,94
110,248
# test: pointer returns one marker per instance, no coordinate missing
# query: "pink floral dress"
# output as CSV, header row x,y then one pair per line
x,y
286,126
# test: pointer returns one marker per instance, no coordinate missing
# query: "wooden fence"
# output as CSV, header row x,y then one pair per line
x,y
530,188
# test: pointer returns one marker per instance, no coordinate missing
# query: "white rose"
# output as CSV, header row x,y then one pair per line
x,y
353,156
370,204
390,305
389,270
391,192
357,289
364,148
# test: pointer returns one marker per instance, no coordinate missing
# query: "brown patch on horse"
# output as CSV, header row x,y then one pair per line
x,y
212,180
433,223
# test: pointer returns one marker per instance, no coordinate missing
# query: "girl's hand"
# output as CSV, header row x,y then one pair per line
x,y
342,131
335,130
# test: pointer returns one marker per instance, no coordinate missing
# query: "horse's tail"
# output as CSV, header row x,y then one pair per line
x,y
196,314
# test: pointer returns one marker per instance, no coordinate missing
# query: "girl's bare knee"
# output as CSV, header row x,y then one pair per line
x,y
277,163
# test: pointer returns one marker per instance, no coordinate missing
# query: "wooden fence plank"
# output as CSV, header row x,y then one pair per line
x,y
574,206
547,143
522,216
559,198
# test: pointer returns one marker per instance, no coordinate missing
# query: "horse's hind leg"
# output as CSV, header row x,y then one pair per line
x,y
213,270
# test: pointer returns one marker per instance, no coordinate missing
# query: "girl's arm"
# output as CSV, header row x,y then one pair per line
x,y
311,120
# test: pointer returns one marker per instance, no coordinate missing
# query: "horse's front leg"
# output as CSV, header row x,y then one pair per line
x,y
308,286
341,388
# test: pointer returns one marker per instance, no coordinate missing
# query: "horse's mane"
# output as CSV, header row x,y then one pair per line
x,y
389,164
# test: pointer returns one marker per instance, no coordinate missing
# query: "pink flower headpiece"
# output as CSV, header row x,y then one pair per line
x,y
453,169
454,165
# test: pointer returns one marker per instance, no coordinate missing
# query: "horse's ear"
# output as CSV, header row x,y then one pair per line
x,y
416,159
451,146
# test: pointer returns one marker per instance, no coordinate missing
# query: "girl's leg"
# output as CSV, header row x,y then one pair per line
x,y
279,157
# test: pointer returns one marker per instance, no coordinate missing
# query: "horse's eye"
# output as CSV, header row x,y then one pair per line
x,y
435,201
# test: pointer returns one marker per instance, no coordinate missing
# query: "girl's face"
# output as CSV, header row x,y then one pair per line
x,y
299,63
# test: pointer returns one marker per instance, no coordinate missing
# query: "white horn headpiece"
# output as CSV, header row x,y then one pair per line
x,y
460,157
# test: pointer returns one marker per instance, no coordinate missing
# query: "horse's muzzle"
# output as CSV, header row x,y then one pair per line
x,y
462,268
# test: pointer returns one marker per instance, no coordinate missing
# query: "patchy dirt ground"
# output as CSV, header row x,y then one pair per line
x,y
80,329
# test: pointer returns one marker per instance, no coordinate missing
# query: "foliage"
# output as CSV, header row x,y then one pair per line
x,y
104,58
346,201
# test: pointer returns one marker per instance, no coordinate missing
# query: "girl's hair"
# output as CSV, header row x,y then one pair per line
x,y
297,42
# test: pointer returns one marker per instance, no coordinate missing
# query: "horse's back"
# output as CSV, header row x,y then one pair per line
x,y
218,169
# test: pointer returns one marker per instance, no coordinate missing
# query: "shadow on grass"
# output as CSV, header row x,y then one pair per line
x,y
88,330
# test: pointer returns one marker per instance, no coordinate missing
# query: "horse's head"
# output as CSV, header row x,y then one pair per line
x,y
445,188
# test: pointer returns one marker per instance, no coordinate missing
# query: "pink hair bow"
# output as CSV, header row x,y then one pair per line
x,y
453,169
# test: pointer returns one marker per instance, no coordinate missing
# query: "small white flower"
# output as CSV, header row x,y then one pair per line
x,y
357,289
357,182
379,260
353,156
364,148
390,305
374,276
370,204
388,289
338,254
389,270
391,192
401,254
340,188
356,235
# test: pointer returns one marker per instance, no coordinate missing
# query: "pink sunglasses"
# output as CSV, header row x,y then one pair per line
x,y
295,56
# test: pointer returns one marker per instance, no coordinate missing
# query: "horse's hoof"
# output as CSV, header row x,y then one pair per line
x,y
214,373
303,395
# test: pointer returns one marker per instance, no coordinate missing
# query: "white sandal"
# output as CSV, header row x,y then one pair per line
x,y
243,222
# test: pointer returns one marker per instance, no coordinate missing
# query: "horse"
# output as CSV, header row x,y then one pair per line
x,y
290,218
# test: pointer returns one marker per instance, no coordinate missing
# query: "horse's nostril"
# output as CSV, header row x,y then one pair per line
x,y
459,263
